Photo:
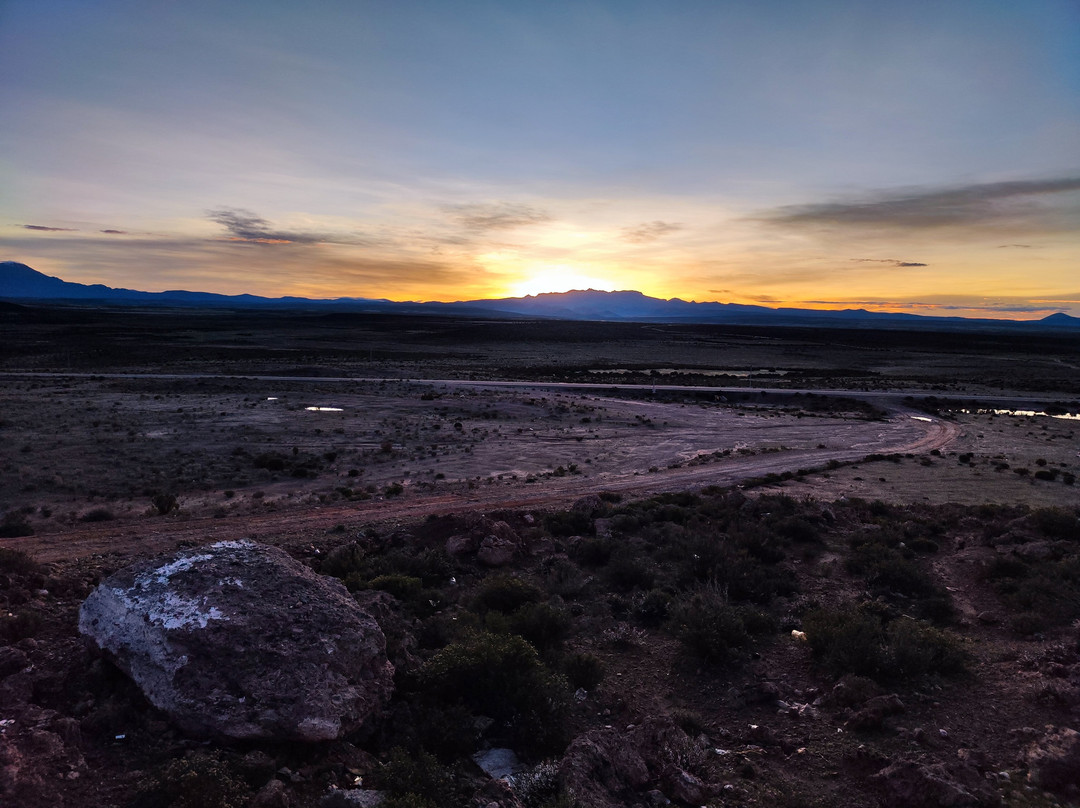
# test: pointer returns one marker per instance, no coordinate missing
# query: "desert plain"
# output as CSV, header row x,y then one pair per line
x,y
126,433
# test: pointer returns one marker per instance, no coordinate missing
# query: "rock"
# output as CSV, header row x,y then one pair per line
x,y
496,551
272,795
1053,761
353,798
609,768
498,763
604,527
12,660
588,504
686,787
238,640
1036,550
872,715
908,785
462,545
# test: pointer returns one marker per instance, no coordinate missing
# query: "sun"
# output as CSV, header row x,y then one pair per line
x,y
548,278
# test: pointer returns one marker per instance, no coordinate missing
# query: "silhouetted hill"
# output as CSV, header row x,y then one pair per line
x,y
20,282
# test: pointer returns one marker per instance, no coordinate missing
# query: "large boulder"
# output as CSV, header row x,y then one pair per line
x,y
238,640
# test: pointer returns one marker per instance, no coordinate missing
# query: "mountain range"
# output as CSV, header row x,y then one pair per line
x,y
18,282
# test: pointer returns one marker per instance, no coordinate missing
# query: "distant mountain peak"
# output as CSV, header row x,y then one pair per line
x,y
1060,318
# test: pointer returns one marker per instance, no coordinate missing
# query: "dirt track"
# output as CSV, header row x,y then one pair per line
x,y
300,524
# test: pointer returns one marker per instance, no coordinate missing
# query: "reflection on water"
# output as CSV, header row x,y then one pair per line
x,y
738,374
324,409
1067,416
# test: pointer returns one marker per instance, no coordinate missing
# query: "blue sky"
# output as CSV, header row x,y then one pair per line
x,y
919,156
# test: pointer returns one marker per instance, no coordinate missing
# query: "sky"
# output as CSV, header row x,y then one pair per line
x,y
919,156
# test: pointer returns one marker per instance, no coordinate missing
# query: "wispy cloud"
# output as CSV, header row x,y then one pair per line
x,y
244,225
46,229
115,232
649,231
1029,203
890,261
498,215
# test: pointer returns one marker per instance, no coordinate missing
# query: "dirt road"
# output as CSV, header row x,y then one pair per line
x,y
305,524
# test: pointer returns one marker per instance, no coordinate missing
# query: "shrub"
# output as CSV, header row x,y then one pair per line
x,y
652,608
543,625
200,780
402,587
1056,523
17,562
416,780
165,504
569,523
847,641
626,573
915,649
97,515
856,640
583,670
505,593
593,552
343,560
15,526
23,623
714,630
501,676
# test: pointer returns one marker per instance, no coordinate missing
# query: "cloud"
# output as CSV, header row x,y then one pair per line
x,y
45,229
498,215
649,231
890,261
115,232
1019,246
1027,203
247,226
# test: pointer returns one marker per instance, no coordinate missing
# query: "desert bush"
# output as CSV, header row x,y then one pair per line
x,y
593,552
626,572
1056,523
416,780
569,523
563,578
97,515
15,526
846,641
1040,594
17,562
505,593
798,530
501,676
343,560
713,629
858,641
651,609
271,461
22,623
199,780
543,625
402,587
165,504
583,670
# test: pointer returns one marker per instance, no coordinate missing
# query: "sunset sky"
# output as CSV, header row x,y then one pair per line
x,y
905,156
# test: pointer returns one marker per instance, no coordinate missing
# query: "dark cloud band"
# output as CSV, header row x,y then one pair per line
x,y
988,203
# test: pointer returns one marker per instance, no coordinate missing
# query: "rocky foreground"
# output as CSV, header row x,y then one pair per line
x,y
690,650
